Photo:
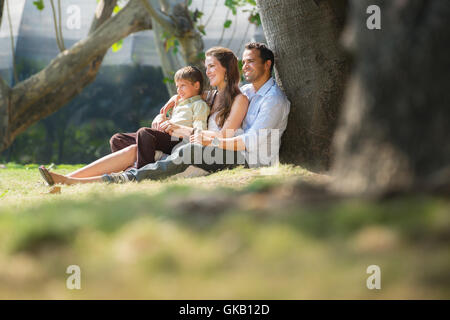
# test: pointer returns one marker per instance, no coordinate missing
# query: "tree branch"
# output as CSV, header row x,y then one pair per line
x,y
55,23
59,82
61,38
13,50
4,88
103,12
4,112
1,10
161,18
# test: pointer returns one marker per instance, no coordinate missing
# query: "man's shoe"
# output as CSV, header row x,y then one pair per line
x,y
115,178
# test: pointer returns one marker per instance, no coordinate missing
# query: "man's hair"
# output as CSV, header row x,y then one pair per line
x,y
192,74
264,52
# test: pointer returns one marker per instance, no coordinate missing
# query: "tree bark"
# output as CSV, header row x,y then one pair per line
x,y
312,69
170,62
395,131
65,77
173,18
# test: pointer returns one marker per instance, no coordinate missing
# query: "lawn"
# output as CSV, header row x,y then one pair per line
x,y
237,234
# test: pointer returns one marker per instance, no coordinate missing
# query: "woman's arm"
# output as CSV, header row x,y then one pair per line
x,y
234,121
237,114
169,105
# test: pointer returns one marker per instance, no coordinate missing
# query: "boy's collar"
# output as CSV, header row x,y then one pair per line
x,y
190,100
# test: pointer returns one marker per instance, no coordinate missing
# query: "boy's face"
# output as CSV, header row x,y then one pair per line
x,y
186,89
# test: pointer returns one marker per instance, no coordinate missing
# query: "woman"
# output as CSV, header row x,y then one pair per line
x,y
228,110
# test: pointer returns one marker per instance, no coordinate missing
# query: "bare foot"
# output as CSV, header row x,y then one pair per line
x,y
59,178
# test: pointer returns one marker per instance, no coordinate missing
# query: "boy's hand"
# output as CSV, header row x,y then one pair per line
x,y
156,124
171,128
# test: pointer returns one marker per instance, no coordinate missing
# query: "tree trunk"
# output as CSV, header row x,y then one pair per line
x,y
170,62
312,70
173,18
395,131
65,77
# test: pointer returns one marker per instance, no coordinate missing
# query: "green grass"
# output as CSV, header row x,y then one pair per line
x,y
243,233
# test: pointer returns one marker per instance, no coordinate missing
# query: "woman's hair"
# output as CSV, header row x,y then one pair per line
x,y
192,74
229,61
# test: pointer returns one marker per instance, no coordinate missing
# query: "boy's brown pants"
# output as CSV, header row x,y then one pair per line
x,y
148,140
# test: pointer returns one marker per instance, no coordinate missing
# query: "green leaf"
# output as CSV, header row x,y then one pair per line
x,y
117,46
4,193
168,80
227,24
116,9
201,28
201,56
255,19
189,3
39,4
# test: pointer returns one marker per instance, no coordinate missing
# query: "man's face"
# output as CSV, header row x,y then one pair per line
x,y
253,66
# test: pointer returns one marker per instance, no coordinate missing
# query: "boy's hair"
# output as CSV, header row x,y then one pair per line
x,y
192,74
264,52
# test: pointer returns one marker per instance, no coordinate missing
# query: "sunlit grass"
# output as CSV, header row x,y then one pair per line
x,y
240,233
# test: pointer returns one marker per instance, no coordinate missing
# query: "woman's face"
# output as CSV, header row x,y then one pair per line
x,y
215,72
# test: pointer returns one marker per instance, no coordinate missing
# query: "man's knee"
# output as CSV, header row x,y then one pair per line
x,y
190,154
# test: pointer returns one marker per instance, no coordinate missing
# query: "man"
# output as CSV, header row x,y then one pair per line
x,y
262,127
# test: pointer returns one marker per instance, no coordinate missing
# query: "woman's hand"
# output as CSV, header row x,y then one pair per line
x,y
200,138
169,105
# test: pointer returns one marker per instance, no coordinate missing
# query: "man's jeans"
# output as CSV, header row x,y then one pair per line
x,y
207,158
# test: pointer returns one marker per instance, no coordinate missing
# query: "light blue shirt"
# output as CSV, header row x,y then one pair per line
x,y
265,122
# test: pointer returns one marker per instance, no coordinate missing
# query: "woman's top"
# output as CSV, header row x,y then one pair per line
x,y
210,98
212,124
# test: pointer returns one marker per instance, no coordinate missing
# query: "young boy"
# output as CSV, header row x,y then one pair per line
x,y
190,111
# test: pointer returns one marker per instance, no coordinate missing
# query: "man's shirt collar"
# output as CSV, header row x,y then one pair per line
x,y
265,87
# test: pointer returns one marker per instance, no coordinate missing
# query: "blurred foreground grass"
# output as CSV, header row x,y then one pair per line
x,y
239,234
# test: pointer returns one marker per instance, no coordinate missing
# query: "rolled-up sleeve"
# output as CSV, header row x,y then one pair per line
x,y
269,117
200,112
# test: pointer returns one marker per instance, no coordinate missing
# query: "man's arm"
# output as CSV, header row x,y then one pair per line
x,y
233,144
269,117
